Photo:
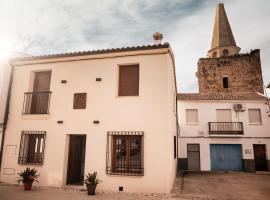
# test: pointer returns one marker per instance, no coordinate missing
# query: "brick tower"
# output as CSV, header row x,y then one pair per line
x,y
225,70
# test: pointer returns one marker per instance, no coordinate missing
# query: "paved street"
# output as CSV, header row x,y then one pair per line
x,y
238,186
199,186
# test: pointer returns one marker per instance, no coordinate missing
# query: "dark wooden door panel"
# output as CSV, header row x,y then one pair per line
x,y
76,159
260,157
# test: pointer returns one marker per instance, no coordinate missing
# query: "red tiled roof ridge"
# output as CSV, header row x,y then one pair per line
x,y
222,96
95,51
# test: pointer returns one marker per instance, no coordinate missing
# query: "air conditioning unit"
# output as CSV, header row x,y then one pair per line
x,y
239,107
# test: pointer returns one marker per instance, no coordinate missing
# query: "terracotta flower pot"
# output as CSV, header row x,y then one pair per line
x,y
27,185
91,189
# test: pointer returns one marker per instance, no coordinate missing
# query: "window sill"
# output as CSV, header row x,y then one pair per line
x,y
125,174
34,164
131,96
192,123
35,116
255,124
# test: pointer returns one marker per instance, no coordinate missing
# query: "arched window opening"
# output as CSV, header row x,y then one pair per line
x,y
225,52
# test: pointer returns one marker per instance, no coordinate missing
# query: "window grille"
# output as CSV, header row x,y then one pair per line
x,y
32,147
125,153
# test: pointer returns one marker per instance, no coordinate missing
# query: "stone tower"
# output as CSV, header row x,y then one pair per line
x,y
225,70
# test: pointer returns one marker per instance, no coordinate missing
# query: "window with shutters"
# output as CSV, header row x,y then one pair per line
x,y
128,84
192,116
125,153
254,116
224,115
79,101
32,147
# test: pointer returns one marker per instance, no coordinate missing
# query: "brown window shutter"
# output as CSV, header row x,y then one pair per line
x,y
79,101
42,81
128,80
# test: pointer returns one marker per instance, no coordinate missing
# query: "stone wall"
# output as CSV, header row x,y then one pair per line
x,y
243,71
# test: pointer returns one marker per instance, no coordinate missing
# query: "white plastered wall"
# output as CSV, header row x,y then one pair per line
x,y
192,133
149,112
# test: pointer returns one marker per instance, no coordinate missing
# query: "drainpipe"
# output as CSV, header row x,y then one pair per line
x,y
6,114
268,101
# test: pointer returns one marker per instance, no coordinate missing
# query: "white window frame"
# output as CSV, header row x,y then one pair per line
x,y
192,123
252,123
228,109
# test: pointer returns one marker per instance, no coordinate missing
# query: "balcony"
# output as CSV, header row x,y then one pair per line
x,y
36,103
226,128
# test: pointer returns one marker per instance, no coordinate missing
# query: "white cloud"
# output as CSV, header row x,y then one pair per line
x,y
51,26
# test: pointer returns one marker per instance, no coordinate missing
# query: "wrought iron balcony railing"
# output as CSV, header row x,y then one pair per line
x,y
226,128
36,103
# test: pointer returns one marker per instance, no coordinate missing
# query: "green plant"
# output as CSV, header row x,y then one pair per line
x,y
91,179
28,175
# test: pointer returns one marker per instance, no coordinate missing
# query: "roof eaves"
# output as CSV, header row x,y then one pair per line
x,y
93,52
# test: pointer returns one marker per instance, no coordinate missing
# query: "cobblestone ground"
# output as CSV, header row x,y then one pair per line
x,y
12,192
226,186
194,186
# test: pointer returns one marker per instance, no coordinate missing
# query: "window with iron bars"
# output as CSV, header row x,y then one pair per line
x,y
125,153
32,147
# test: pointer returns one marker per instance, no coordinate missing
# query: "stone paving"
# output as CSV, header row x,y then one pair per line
x,y
194,186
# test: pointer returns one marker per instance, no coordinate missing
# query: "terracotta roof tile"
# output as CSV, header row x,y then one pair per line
x,y
221,96
95,52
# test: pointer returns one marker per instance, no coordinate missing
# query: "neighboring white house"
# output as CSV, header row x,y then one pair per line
x,y
224,132
108,111
225,127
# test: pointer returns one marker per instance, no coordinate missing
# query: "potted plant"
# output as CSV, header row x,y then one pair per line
x,y
91,182
28,176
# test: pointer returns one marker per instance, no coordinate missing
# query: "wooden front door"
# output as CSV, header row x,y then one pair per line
x,y
76,157
260,157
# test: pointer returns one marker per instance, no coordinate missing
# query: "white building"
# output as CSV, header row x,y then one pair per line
x,y
225,127
108,111
216,135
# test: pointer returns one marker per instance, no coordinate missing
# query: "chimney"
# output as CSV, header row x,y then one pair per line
x,y
158,38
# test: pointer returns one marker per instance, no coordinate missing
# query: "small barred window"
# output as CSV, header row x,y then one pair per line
x,y
32,147
125,153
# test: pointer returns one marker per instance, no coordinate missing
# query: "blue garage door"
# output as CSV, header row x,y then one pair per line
x,y
226,157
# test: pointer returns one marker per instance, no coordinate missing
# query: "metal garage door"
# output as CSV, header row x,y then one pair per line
x,y
226,157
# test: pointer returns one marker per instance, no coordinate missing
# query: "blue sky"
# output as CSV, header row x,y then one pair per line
x,y
55,26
